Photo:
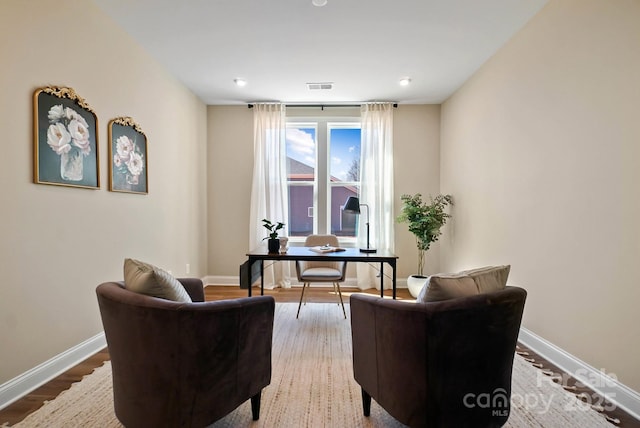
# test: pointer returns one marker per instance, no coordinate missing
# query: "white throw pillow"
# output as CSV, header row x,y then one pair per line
x,y
447,286
489,278
145,278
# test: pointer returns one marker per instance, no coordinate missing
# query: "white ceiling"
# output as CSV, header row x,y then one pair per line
x,y
363,46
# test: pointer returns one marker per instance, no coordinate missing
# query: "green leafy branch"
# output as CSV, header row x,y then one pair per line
x,y
425,220
273,228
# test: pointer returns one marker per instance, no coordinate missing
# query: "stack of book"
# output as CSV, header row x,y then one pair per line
x,y
326,249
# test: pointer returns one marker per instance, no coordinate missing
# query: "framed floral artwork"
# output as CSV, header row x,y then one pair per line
x,y
127,156
65,139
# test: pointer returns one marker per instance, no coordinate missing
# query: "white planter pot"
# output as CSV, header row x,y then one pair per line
x,y
415,284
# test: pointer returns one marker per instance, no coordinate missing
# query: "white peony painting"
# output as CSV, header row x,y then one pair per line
x,y
65,139
127,157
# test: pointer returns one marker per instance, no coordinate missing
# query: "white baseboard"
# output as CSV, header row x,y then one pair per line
x,y
221,280
43,373
605,385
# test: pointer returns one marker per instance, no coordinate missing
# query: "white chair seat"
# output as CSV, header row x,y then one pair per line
x,y
321,274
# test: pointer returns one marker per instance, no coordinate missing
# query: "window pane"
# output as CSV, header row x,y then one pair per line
x,y
300,210
301,168
301,153
342,223
344,154
344,167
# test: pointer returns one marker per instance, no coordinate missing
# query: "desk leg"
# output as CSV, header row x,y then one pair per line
x,y
251,262
381,279
262,277
393,268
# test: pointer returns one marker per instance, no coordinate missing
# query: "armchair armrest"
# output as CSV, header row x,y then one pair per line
x,y
236,349
194,288
389,348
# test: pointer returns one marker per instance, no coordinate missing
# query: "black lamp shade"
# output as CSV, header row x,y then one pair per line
x,y
352,205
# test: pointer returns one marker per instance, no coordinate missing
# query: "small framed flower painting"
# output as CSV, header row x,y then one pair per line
x,y
65,143
127,157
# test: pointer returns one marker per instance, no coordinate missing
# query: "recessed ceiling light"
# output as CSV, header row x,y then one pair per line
x,y
405,81
319,3
240,82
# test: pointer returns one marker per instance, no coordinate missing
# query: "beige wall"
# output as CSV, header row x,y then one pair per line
x,y
58,243
230,173
541,150
416,146
230,159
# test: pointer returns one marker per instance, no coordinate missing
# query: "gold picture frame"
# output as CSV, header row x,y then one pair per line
x,y
65,139
127,156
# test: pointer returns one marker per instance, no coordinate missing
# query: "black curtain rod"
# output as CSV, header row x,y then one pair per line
x,y
322,106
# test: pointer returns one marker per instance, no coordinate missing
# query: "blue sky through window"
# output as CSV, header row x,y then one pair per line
x,y
345,148
301,145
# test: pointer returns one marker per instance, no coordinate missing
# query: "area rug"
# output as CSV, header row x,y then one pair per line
x,y
312,386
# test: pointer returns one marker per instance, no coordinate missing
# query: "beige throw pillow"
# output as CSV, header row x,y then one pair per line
x,y
144,278
447,286
489,278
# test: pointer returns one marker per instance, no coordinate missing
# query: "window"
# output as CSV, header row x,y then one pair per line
x,y
323,170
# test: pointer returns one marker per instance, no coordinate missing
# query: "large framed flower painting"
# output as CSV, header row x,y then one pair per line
x,y
65,139
127,157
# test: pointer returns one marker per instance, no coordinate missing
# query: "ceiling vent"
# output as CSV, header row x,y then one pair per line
x,y
324,86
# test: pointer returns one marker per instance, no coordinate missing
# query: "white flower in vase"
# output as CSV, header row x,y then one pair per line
x,y
68,136
56,113
58,138
135,164
80,135
128,161
124,148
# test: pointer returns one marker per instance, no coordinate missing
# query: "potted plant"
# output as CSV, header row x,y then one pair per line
x,y
273,242
425,220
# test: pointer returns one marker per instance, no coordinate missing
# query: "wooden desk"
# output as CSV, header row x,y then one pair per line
x,y
261,254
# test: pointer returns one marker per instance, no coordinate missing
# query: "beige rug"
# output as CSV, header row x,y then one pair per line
x,y
312,386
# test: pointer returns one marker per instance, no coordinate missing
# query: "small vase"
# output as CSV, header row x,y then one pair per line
x,y
71,165
132,179
415,284
283,244
273,245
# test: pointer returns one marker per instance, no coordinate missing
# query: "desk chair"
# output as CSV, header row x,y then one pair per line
x,y
333,272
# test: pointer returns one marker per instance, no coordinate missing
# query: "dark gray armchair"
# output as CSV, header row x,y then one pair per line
x,y
435,364
185,364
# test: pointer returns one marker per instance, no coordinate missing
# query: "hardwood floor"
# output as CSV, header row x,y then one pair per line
x,y
31,402
17,411
20,409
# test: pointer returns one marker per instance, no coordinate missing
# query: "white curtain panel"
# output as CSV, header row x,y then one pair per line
x,y
269,197
376,178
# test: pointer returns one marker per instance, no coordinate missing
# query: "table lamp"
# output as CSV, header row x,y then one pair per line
x,y
353,206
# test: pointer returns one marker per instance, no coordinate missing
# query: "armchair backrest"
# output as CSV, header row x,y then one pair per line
x,y
428,363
